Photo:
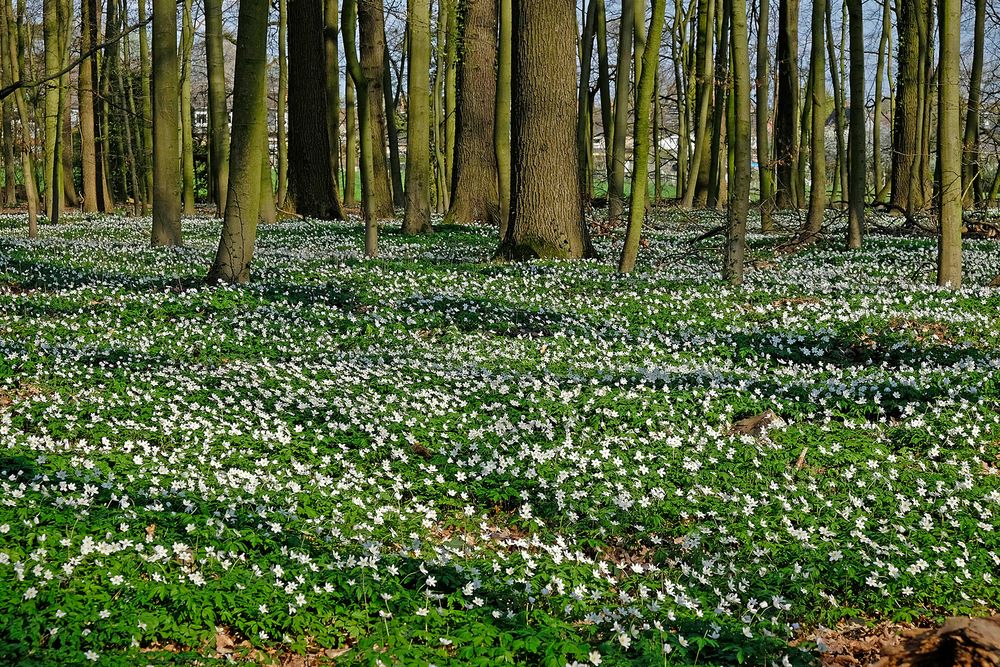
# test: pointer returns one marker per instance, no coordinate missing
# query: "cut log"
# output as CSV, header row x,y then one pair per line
x,y
960,642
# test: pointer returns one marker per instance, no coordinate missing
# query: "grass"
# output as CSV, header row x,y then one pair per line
x,y
434,458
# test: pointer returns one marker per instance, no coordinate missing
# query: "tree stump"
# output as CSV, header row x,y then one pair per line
x,y
960,642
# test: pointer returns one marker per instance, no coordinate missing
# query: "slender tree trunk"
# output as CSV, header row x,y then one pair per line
x,y
857,140
880,69
907,131
971,179
949,149
372,56
103,120
331,35
501,127
417,217
282,106
616,188
239,226
268,213
450,86
703,100
14,68
166,167
311,188
147,108
88,149
739,191
53,108
218,115
817,99
640,168
786,121
441,167
583,108
392,132
187,138
364,87
604,84
763,113
840,180
718,139
9,181
350,144
546,216
474,195
69,187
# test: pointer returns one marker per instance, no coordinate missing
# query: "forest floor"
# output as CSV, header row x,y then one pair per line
x,y
432,458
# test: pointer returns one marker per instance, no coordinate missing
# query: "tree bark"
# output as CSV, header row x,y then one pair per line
x,y
640,167
371,26
817,99
13,67
417,217
880,69
739,191
311,188
359,75
239,226
331,34
166,167
786,117
616,187
187,138
218,115
762,92
949,149
857,139
501,127
474,195
971,178
546,216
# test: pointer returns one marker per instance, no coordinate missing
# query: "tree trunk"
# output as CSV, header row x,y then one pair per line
x,y
13,67
604,83
474,195
640,166
371,25
718,139
147,108
53,107
971,179
85,95
786,118
392,132
417,217
546,216
583,108
239,226
817,99
762,92
311,188
282,106
501,127
907,129
616,187
166,167
703,100
739,191
840,182
350,144
880,69
69,187
331,33
218,115
187,138
857,140
949,149
364,87
450,87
